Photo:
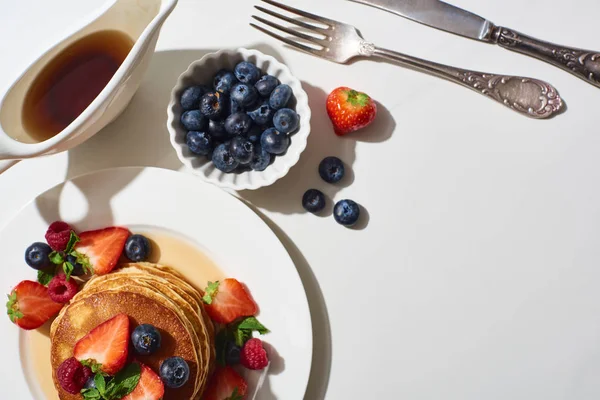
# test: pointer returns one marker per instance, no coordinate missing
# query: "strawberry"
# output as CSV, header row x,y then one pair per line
x,y
228,300
30,306
105,347
102,247
149,387
226,384
350,110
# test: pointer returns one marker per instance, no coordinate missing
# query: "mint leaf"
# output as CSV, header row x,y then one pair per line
x,y
68,268
241,336
210,292
91,394
93,365
124,382
73,239
56,258
44,277
235,395
242,331
100,384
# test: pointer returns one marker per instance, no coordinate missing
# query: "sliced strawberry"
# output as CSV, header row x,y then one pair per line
x,y
102,247
228,300
30,306
106,346
226,384
150,387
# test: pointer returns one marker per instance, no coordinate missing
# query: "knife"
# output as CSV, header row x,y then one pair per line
x,y
584,64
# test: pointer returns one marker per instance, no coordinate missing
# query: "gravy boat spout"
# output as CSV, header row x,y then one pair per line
x,y
138,20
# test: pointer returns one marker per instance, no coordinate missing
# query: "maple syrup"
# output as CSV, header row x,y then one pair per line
x,y
69,83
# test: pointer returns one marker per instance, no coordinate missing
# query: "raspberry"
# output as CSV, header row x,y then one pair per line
x,y
58,235
254,355
61,290
72,375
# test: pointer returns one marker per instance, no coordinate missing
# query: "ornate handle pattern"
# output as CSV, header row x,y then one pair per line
x,y
584,64
530,97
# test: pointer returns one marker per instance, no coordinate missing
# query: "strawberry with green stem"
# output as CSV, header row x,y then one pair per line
x,y
350,110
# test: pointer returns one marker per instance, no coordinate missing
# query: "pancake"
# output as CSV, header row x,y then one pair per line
x,y
147,293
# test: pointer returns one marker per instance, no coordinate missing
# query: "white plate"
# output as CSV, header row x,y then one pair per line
x,y
234,236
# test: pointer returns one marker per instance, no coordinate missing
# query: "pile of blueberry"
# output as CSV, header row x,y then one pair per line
x,y
242,121
345,212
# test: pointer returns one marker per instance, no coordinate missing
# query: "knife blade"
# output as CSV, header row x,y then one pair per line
x,y
437,14
584,64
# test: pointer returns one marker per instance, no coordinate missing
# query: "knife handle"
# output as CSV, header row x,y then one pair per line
x,y
584,64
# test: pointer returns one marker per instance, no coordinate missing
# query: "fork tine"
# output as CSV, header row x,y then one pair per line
x,y
290,42
293,10
301,35
292,20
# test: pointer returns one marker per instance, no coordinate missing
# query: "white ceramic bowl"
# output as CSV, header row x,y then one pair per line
x,y
201,72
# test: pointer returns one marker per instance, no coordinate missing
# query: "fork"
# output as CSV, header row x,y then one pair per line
x,y
340,43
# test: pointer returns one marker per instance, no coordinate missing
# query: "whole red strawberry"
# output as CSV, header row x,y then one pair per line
x,y
350,110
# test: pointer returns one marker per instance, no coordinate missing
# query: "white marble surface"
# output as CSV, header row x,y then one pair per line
x,y
475,274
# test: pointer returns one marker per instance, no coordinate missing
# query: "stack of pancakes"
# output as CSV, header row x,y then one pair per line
x,y
148,294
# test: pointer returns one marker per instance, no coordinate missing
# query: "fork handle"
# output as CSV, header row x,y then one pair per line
x,y
584,64
527,96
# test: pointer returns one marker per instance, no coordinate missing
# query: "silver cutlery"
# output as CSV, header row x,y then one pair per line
x,y
339,42
584,64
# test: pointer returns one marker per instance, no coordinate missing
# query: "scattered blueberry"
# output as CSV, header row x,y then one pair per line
x,y
266,85
261,159
223,159
137,248
190,98
274,141
174,372
238,124
280,96
36,256
313,200
199,142
241,149
78,269
223,81
261,115
234,107
216,129
193,120
213,105
244,94
331,169
145,339
346,212
286,120
232,353
247,72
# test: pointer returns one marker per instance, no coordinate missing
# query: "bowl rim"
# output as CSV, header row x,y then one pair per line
x,y
292,158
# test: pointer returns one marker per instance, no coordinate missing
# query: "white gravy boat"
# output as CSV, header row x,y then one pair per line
x,y
141,20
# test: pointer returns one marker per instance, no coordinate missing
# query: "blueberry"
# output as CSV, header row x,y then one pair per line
x,y
254,134
232,353
213,105
190,98
216,129
261,159
241,149
262,115
145,339
331,169
280,97
346,212
36,256
238,124
174,372
313,200
78,269
223,81
266,85
223,159
247,72
193,120
234,107
286,120
199,142
274,141
244,94
137,248
90,383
